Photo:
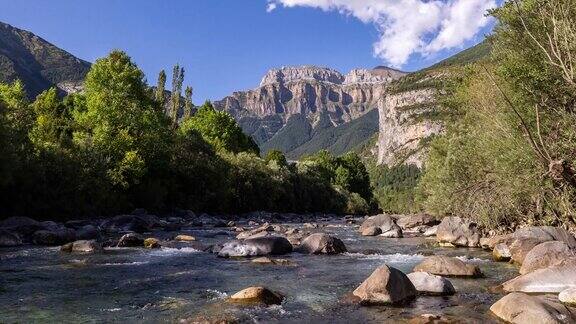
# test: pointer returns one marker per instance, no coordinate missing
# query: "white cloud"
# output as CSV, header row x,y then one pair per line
x,y
409,27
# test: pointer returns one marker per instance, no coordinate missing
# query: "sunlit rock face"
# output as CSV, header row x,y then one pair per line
x,y
406,125
306,99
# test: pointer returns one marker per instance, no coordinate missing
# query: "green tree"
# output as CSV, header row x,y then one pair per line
x,y
220,130
53,126
177,80
161,88
120,123
188,102
276,157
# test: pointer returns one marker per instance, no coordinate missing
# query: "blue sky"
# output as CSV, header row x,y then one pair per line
x,y
224,45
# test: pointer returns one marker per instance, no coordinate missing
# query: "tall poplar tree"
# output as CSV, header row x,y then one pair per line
x,y
188,102
177,80
161,87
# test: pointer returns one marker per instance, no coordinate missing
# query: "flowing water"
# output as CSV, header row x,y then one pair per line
x,y
39,285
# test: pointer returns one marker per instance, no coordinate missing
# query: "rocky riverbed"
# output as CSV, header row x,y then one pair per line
x,y
264,267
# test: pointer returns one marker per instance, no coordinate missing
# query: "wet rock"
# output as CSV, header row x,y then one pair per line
x,y
447,266
152,243
413,221
311,225
430,284
185,238
549,280
568,296
371,231
384,222
9,239
266,260
458,232
431,231
82,246
546,254
501,252
320,243
547,233
395,232
131,240
520,247
386,285
77,223
257,232
87,232
525,309
258,295
273,245
54,237
24,226
130,223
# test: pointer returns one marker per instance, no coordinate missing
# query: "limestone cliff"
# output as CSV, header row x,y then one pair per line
x,y
293,105
407,123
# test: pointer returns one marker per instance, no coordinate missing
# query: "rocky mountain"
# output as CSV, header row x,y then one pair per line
x,y
37,63
301,110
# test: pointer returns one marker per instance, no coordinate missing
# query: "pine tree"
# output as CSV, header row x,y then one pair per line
x,y
188,102
161,87
177,80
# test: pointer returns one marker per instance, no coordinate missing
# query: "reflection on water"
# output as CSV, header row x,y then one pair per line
x,y
136,285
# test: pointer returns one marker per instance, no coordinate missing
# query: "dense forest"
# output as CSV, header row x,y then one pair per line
x,y
122,144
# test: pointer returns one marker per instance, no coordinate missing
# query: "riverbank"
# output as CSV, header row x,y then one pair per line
x,y
190,271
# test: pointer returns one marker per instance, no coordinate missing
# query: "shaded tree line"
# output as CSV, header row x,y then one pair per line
x,y
116,147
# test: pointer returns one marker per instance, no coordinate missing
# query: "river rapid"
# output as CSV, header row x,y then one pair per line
x,y
135,285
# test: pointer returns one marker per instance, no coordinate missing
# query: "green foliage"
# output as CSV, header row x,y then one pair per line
x,y
276,158
220,130
161,88
112,149
508,155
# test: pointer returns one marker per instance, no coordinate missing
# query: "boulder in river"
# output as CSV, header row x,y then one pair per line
x,y
371,231
9,239
258,295
82,246
185,238
394,232
519,248
54,237
384,222
548,280
501,252
270,245
23,226
547,233
413,221
152,243
87,232
431,231
131,240
427,283
386,285
458,232
568,296
320,243
545,255
525,309
130,223
448,266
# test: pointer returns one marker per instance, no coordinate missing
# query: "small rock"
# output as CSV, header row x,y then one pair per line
x,y
320,243
8,239
131,240
568,296
152,243
371,231
431,231
458,231
185,238
386,285
501,252
258,295
447,266
82,246
430,284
